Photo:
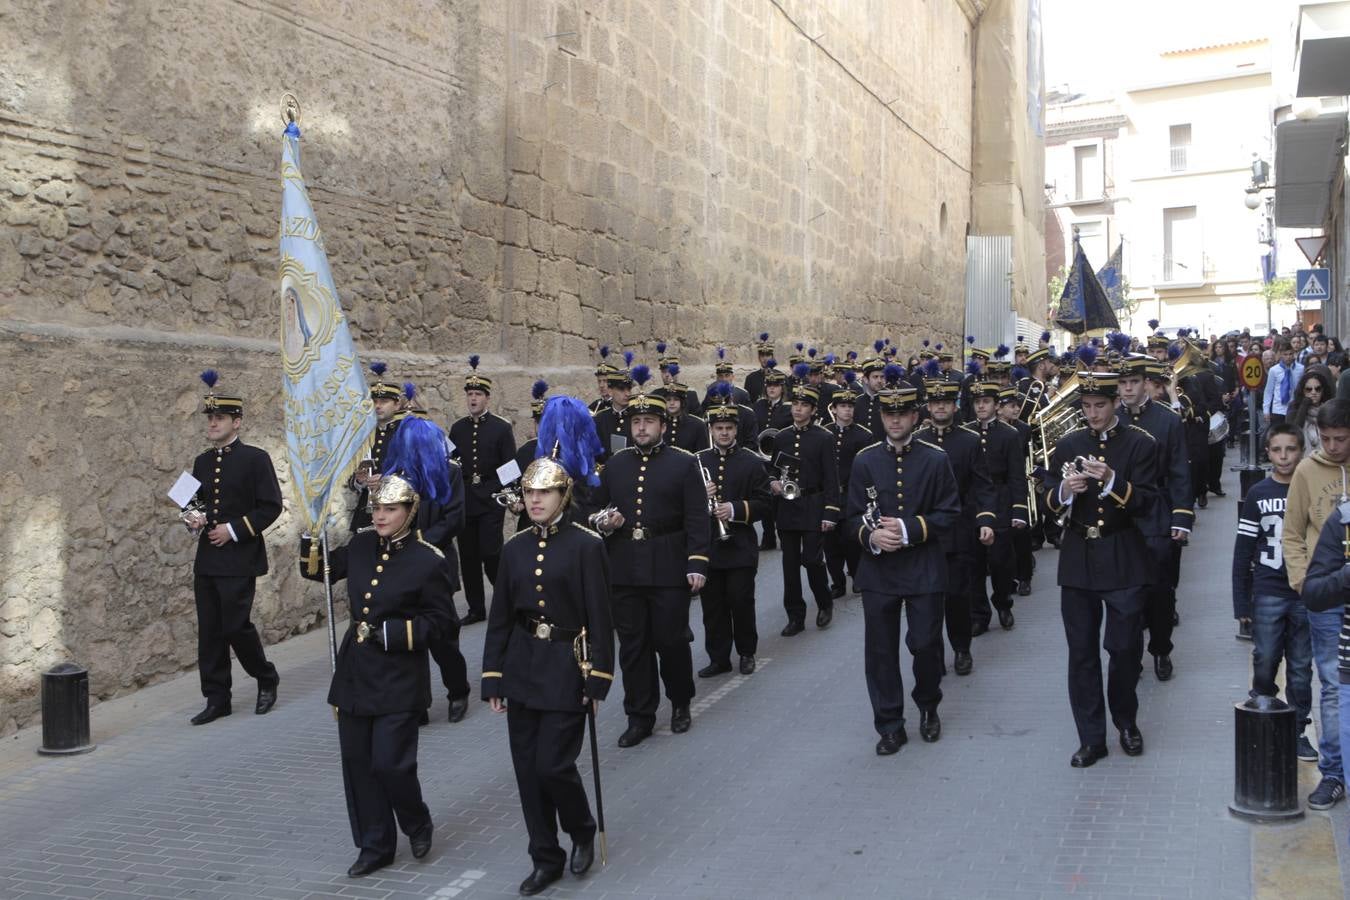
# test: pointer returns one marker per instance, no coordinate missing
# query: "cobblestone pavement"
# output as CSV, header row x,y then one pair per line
x,y
775,792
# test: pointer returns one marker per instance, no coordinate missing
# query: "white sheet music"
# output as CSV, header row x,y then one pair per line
x,y
508,472
184,489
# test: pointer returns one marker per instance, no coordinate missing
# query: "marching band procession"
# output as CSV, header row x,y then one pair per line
x,y
926,484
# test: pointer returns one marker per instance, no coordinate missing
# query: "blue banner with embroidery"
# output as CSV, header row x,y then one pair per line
x,y
329,416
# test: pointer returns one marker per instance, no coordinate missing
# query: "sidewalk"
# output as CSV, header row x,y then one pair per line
x,y
775,792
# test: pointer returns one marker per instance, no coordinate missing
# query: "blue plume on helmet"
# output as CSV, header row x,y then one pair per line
x,y
1120,341
1087,355
721,390
1045,337
801,370
210,377
1020,372
473,362
539,389
660,346
772,363
878,345
1174,350
673,370
851,355
850,377
417,452
800,346
409,390
892,373
937,346
566,423
886,341
1153,324
926,342
721,352
1001,352
829,359
811,352
627,358
604,351
1097,342
973,367
1183,332
763,336
932,368
641,375
378,368
970,339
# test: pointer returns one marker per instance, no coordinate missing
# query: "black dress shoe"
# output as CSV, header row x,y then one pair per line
x,y
634,735
1087,755
583,855
792,627
824,617
1131,741
679,720
212,712
423,718
978,628
472,618
854,586
1024,588
267,698
891,743
930,726
1162,666
458,707
367,863
837,591
747,665
538,880
1005,619
420,840
963,662
688,635
1218,492
712,669
1202,501
1176,618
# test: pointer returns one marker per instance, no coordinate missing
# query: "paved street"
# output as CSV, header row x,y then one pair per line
x,y
775,792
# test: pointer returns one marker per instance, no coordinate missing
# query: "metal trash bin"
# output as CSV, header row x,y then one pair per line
x,y
65,711
1265,770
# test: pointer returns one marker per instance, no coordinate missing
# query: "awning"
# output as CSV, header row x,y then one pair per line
x,y
1308,154
1323,64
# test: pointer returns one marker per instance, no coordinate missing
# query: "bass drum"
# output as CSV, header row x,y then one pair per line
x,y
1218,428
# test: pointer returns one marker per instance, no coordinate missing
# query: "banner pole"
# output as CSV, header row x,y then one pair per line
x,y
328,594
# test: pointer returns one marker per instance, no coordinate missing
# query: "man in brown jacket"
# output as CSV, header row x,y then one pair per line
x,y
1321,482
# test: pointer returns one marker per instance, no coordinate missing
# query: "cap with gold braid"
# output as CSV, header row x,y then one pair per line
x,y
644,403
764,346
803,391
1009,395
772,374
1100,384
723,367
985,389
724,408
475,382
380,389
537,398
215,402
605,367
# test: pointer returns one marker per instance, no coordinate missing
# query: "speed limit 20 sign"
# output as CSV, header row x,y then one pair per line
x,y
1252,373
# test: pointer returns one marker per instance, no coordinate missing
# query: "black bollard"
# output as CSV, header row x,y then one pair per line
x,y
65,711
1265,773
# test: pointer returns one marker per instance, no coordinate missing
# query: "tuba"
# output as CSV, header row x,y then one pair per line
x,y
1060,416
1191,361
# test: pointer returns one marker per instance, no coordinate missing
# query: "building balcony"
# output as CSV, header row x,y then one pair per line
x,y
1322,66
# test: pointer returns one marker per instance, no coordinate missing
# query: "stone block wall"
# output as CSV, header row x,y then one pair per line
x,y
524,179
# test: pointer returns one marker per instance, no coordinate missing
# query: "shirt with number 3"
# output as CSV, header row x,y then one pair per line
x,y
1258,555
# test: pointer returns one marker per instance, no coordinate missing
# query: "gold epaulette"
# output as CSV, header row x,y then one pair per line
x,y
676,449
580,527
934,446
430,546
864,428
1143,431
869,447
822,428
526,530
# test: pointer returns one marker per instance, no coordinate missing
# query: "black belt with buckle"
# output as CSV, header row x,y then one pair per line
x,y
1093,532
546,631
647,532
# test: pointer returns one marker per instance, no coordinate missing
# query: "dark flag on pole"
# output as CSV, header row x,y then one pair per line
x,y
1083,306
1111,277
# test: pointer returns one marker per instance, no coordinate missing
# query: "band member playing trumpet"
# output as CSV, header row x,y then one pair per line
x,y
553,586
399,587
238,500
738,494
808,508
1103,482
841,552
902,499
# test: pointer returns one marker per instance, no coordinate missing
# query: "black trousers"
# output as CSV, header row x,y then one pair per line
x,y
379,772
1200,473
1082,611
1214,474
480,550
454,670
544,748
1024,562
651,623
994,568
224,604
728,600
770,539
956,604
881,654
1160,600
841,555
803,548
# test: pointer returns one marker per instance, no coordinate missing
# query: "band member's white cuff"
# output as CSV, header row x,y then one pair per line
x,y
233,536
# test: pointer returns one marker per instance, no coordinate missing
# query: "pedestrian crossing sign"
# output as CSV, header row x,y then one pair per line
x,y
1313,284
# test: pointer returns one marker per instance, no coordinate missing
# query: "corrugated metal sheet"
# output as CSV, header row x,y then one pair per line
x,y
989,313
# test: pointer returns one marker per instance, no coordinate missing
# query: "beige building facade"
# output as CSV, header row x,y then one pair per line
x,y
522,179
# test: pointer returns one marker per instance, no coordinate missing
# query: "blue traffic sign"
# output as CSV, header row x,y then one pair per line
x,y
1313,284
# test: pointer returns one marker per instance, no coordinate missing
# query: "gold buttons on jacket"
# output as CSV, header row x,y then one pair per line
x,y
379,568
374,581
365,610
384,556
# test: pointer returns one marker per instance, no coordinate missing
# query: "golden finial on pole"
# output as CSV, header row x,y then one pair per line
x,y
290,108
